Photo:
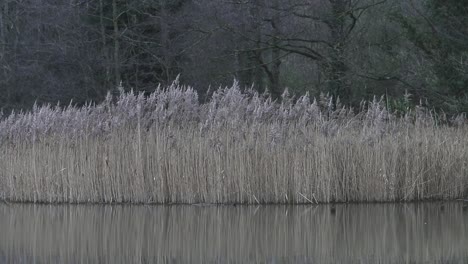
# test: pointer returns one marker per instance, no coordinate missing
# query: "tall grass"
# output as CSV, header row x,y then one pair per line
x,y
239,147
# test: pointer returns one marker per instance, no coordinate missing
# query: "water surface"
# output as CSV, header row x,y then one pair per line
x,y
354,233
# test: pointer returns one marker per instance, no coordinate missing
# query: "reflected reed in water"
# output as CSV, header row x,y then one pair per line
x,y
365,233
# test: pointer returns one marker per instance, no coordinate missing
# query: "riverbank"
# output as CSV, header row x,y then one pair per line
x,y
239,148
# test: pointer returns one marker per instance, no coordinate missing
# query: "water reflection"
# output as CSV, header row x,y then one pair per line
x,y
365,233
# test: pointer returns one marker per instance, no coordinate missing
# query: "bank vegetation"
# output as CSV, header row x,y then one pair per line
x,y
236,147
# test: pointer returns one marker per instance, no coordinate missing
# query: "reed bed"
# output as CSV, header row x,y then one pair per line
x,y
238,147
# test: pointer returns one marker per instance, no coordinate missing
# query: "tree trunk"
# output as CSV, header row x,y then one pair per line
x,y
244,67
164,38
336,66
275,73
117,77
3,12
244,63
3,73
103,42
275,88
256,55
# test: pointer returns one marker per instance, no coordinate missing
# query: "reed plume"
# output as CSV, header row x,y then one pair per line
x,y
238,147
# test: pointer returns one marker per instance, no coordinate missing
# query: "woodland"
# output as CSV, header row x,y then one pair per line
x,y
410,52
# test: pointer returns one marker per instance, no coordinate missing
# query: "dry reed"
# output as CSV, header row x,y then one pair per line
x,y
239,147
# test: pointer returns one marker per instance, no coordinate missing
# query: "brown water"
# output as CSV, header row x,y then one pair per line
x,y
364,233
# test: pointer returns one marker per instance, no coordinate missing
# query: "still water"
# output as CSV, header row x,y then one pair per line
x,y
353,233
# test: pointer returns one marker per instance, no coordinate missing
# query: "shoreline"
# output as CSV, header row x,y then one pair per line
x,y
12,203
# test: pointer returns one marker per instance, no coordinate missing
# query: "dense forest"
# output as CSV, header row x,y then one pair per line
x,y
411,52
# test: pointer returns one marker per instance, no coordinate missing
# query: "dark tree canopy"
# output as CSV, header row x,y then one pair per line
x,y
410,51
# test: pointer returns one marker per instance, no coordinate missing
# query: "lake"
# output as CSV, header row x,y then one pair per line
x,y
344,233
